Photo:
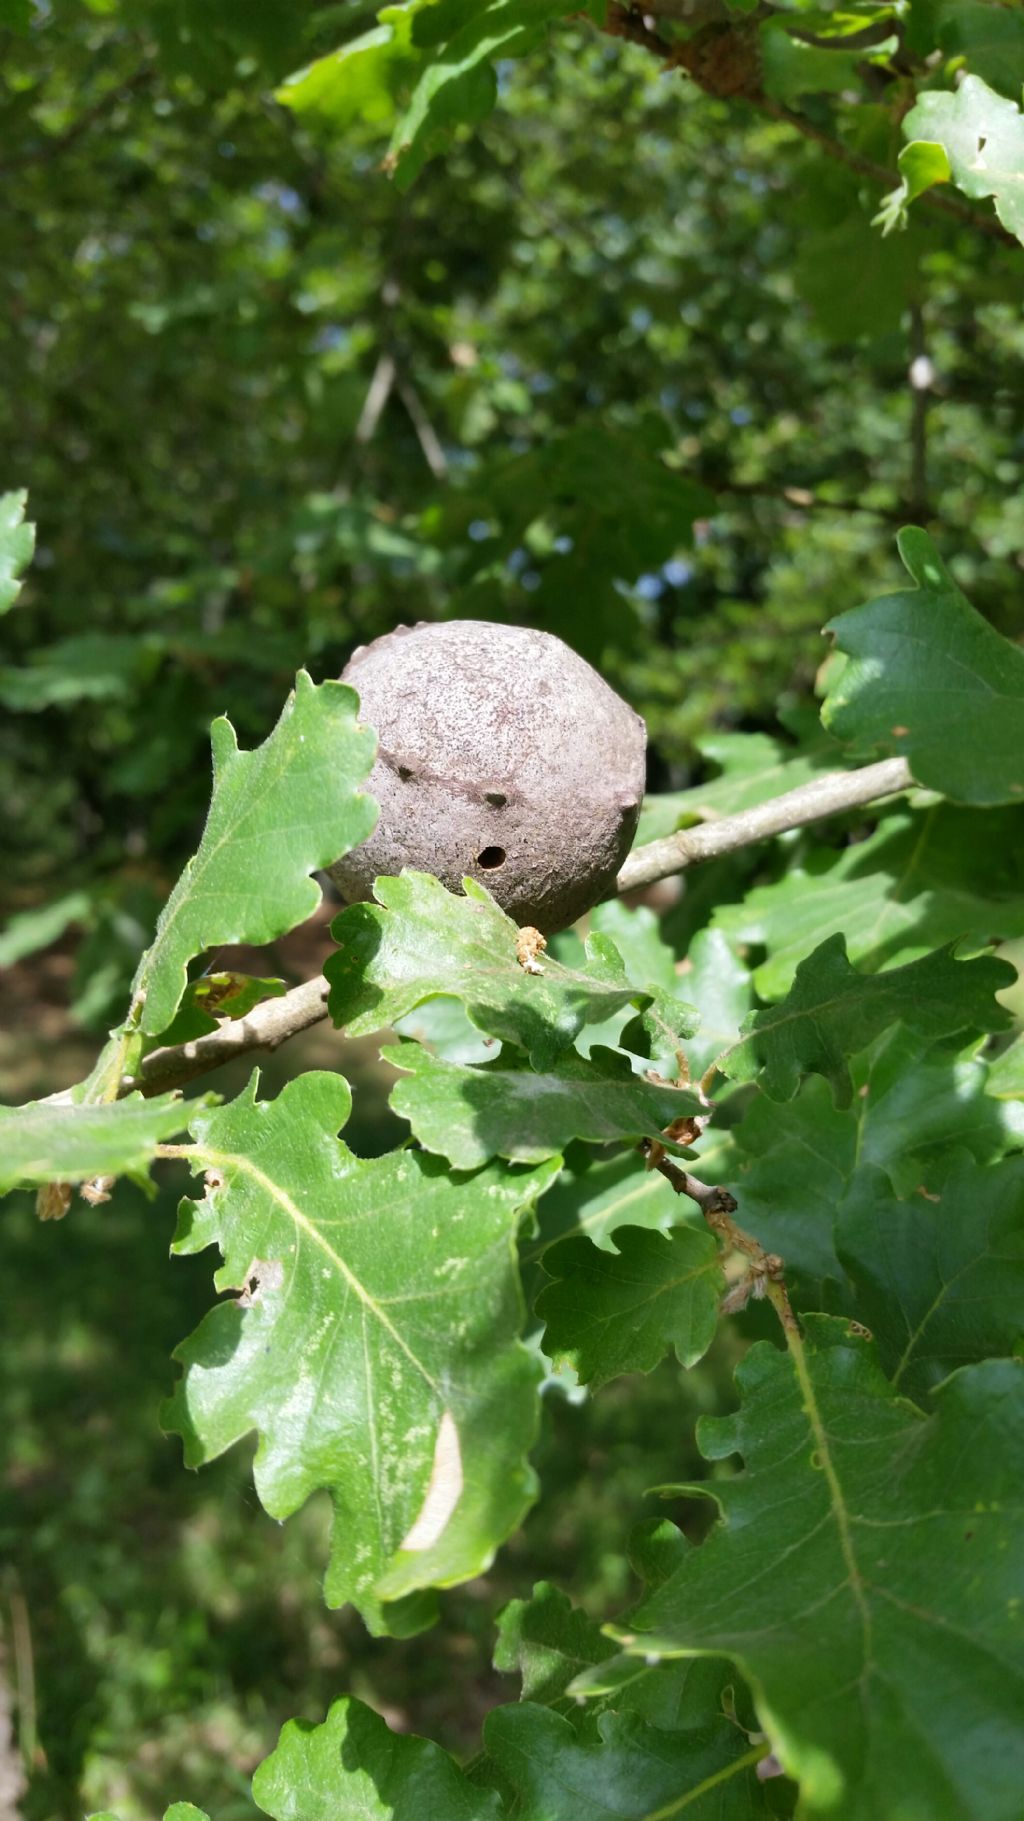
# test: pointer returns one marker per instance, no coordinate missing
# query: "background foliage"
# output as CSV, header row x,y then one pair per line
x,y
627,360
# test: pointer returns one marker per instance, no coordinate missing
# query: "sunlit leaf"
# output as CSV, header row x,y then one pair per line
x,y
52,1141
419,942
373,1345
982,135
471,1114
17,542
353,1765
277,814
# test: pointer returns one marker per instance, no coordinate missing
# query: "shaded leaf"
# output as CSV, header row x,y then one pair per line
x,y
917,881
927,677
277,814
832,1011
471,1114
939,1277
613,1312
1006,1074
791,1165
459,86
594,1195
353,1766
17,542
373,1346
629,1770
546,1641
419,941
52,1141
865,1576
856,282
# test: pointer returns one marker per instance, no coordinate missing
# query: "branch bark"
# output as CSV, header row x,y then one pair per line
x,y
828,795
272,1023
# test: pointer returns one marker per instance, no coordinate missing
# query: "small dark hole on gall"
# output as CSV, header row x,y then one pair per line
x,y
496,798
405,773
490,858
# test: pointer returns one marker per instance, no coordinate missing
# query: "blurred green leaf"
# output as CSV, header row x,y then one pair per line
x,y
17,542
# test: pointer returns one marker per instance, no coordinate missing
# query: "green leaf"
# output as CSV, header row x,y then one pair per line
x,y
1006,1075
865,1576
30,931
472,1114
362,80
856,282
277,814
595,1195
52,1141
92,667
982,136
939,1278
420,942
919,880
17,542
927,677
719,985
626,1769
621,1311
832,1011
458,85
374,1344
352,1766
989,37
790,1166
547,1641
792,68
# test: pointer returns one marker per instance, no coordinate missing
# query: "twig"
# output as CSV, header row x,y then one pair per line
x,y
765,1276
426,435
269,1025
958,211
802,498
828,795
266,1027
920,378
629,22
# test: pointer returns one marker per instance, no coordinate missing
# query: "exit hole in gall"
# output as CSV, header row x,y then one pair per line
x,y
490,858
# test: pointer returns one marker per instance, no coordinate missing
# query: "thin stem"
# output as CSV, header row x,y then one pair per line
x,y
764,1276
829,795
